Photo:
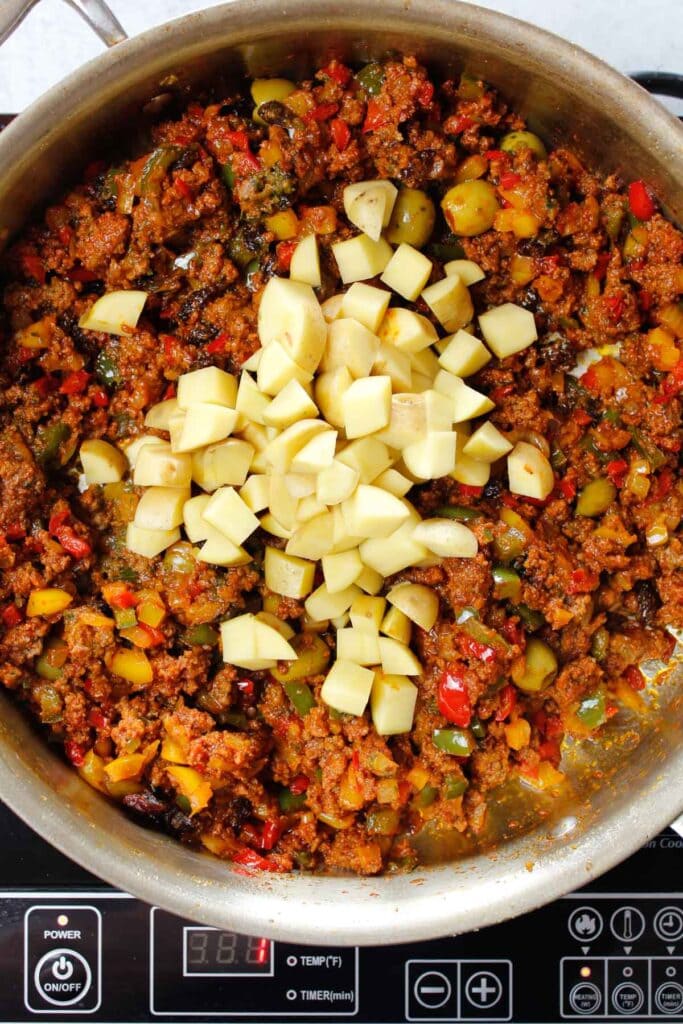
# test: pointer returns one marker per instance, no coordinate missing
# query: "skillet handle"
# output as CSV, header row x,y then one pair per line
x,y
95,13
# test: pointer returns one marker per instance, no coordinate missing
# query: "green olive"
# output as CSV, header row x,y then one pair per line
x,y
470,207
412,219
596,497
514,141
537,669
313,655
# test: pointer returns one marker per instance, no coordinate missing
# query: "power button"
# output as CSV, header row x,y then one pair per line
x,y
62,977
62,959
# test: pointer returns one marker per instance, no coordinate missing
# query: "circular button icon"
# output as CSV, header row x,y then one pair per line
x,y
627,924
668,924
584,924
483,990
585,998
628,997
669,998
62,977
432,990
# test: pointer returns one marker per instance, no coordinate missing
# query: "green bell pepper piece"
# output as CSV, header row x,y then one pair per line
x,y
301,696
454,741
592,710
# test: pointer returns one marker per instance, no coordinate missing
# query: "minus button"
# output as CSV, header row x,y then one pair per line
x,y
432,990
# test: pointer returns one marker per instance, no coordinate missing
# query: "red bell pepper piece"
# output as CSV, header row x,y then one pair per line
x,y
567,487
272,830
11,616
640,200
341,133
616,470
65,234
285,251
33,267
513,633
375,117
453,698
496,154
549,750
246,686
251,859
582,581
470,491
323,112
170,392
338,72
82,274
460,123
75,383
45,385
184,189
634,677
100,398
75,752
580,416
508,700
219,342
477,649
299,785
155,635
500,393
601,264
123,598
15,532
96,719
615,306
425,94
509,179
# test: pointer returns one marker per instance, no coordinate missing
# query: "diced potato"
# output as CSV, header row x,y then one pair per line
x,y
157,466
347,687
270,524
114,313
421,382
316,455
368,205
342,538
328,390
450,302
487,444
365,303
336,483
414,416
470,472
322,604
305,263
251,402
341,621
300,485
290,314
252,644
176,422
446,538
276,368
351,345
508,329
230,515
396,365
49,601
372,512
398,659
288,575
370,581
367,455
366,405
207,385
283,628
149,543
529,472
204,424
251,364
309,508
467,403
407,272
358,646
387,555
468,271
397,626
464,354
361,258
256,435
418,602
281,451
367,612
432,456
312,539
255,492
392,704
425,362
159,415
341,570
161,508
102,462
225,463
407,330
220,550
332,307
291,404
196,527
282,503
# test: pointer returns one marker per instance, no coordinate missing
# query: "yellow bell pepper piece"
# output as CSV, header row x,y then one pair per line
x,y
518,734
128,766
132,665
192,785
96,619
48,601
171,750
418,777
92,770
283,224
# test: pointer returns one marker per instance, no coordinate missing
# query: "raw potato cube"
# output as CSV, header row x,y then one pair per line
x,y
290,314
468,271
467,403
351,345
370,581
176,422
250,643
407,272
414,416
291,404
361,258
342,538
159,415
487,444
446,538
251,364
149,543
288,575
102,462
387,555
255,492
276,368
230,515
336,483
464,354
196,527
281,451
156,466
207,385
367,613
204,424
341,570
470,472
282,504
394,482
114,313
366,405
432,456
369,204
397,658
312,539
308,509
367,455
392,704
305,264
425,362
323,605
508,329
161,508
300,485
316,455
332,307
283,628
251,401
397,626
450,302
421,382
529,472
347,687
365,303
225,463
220,550
372,512
329,388
396,365
358,646
407,330
418,602
132,448
270,524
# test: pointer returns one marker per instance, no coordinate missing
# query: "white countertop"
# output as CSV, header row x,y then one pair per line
x,y
53,40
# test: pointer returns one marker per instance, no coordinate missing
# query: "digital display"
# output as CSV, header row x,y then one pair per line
x,y
210,951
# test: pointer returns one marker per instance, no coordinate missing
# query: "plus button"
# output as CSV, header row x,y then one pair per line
x,y
483,989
